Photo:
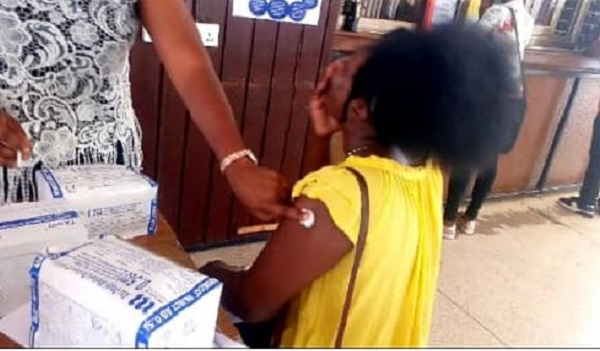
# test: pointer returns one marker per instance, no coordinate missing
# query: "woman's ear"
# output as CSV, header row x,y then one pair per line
x,y
358,110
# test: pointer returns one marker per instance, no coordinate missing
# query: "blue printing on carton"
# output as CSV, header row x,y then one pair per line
x,y
159,318
34,273
111,210
153,221
38,220
141,302
52,183
170,310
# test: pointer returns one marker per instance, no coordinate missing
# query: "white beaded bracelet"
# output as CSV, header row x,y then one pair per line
x,y
231,158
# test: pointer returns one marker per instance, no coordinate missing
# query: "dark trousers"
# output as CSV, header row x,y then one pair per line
x,y
588,193
257,335
459,181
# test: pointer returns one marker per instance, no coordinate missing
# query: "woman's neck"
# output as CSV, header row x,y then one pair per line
x,y
369,147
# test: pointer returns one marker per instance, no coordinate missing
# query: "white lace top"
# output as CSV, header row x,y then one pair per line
x,y
518,31
64,74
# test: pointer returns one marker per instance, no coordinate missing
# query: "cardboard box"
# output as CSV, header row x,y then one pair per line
x,y
26,230
111,199
110,293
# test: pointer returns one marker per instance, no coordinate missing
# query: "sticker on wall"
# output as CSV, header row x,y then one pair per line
x,y
209,33
292,11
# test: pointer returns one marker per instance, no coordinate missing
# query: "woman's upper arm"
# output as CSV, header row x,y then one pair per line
x,y
293,258
173,32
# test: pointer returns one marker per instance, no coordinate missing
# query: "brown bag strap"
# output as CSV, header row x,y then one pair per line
x,y
360,248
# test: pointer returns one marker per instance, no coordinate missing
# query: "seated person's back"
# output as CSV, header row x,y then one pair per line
x,y
410,104
394,290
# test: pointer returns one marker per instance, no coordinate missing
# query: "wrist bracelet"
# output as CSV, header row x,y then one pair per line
x,y
231,158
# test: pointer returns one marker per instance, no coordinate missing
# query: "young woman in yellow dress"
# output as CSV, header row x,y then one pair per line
x,y
410,104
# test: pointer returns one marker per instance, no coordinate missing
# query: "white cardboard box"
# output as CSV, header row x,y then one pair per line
x,y
110,293
16,326
26,230
111,199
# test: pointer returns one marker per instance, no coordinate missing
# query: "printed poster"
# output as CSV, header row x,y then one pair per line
x,y
444,12
306,12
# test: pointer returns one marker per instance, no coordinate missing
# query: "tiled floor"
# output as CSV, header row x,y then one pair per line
x,y
531,277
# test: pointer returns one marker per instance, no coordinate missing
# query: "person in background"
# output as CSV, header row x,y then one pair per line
x,y
504,18
65,95
472,11
399,128
587,203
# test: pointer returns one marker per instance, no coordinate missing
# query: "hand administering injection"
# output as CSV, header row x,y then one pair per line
x,y
264,192
13,141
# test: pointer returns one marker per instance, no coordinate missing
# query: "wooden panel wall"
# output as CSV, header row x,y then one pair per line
x,y
268,71
520,170
571,160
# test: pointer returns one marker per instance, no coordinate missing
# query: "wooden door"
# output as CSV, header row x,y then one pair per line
x,y
268,71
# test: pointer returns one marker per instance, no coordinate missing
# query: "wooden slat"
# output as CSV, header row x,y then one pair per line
x,y
332,16
571,159
257,229
197,178
521,168
306,77
257,101
171,148
146,86
171,152
195,189
317,149
280,107
236,58
260,75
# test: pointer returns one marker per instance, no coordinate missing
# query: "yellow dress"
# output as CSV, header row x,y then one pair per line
x,y
473,10
397,278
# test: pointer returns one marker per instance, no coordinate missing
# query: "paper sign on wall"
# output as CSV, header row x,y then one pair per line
x,y
292,11
209,33
444,12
